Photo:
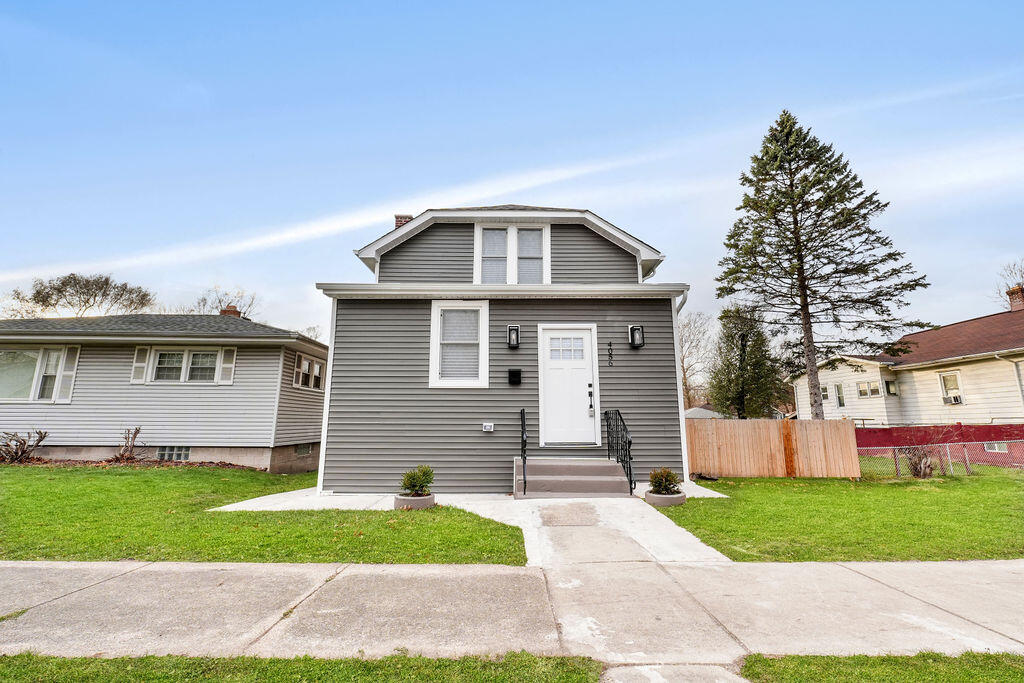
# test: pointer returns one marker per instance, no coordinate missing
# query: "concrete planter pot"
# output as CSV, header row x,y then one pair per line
x,y
414,502
660,500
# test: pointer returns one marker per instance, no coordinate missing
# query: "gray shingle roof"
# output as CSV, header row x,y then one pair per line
x,y
148,325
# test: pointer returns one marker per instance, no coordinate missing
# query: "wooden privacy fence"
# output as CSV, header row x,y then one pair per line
x,y
773,448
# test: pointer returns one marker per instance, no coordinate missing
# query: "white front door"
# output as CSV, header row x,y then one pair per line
x,y
568,388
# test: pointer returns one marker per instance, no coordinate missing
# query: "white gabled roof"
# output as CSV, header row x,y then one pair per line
x,y
648,256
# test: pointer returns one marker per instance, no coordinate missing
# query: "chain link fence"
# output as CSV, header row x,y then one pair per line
x,y
940,459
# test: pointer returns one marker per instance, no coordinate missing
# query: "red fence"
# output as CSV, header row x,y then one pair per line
x,y
881,437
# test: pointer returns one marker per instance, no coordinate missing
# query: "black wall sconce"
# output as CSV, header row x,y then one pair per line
x,y
636,336
513,336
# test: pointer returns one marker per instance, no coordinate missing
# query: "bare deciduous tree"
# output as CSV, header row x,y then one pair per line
x,y
215,298
1010,275
131,450
695,344
313,332
78,295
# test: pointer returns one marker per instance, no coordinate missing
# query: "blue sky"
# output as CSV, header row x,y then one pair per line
x,y
180,145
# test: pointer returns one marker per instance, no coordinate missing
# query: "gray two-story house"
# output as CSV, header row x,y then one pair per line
x,y
214,388
479,314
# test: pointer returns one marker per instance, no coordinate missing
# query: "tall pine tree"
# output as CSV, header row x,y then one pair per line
x,y
805,255
746,377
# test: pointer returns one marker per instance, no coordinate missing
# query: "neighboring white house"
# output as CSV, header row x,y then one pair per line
x,y
970,372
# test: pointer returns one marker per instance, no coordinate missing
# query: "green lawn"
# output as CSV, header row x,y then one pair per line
x,y
795,520
512,667
927,666
159,513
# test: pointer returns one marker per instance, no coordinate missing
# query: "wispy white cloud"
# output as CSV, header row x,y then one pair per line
x,y
367,216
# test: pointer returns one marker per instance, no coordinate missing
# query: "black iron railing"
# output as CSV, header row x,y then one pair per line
x,y
620,444
522,444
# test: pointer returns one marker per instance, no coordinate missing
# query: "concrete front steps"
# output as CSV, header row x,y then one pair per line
x,y
555,477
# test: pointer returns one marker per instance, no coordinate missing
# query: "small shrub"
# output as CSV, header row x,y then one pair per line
x,y
920,461
17,448
664,482
417,482
132,450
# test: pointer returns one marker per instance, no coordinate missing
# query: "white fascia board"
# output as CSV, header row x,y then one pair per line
x,y
957,359
300,344
467,291
649,256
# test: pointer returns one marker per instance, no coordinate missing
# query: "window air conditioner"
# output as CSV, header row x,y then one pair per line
x,y
950,400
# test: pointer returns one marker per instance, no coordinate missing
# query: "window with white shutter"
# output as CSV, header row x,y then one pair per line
x,y
67,374
140,364
458,344
227,365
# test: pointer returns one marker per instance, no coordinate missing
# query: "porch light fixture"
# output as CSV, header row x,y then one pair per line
x,y
513,336
636,336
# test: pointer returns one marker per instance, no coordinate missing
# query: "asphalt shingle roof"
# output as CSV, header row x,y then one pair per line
x,y
987,334
146,325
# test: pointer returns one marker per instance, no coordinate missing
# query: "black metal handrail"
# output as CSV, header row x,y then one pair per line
x,y
522,445
620,444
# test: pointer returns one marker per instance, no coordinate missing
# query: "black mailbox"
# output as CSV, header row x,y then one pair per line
x,y
515,376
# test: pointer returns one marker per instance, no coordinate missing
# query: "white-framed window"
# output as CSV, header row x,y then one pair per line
x,y
824,392
996,447
892,387
308,372
173,453
840,398
949,385
512,254
183,365
458,344
868,389
38,374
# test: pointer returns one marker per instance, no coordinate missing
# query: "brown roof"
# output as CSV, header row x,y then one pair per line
x,y
987,334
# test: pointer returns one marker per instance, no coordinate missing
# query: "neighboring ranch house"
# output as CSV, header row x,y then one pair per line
x,y
217,388
970,372
479,313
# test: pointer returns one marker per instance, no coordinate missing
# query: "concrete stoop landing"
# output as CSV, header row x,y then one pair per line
x,y
569,478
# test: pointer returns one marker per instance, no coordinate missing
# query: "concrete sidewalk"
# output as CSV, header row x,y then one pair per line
x,y
625,612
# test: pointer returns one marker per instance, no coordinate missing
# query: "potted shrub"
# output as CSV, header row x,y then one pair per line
x,y
416,486
664,489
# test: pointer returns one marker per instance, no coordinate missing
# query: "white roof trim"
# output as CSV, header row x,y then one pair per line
x,y
396,290
648,256
300,343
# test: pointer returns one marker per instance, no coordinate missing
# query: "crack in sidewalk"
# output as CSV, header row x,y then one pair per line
x,y
288,612
94,583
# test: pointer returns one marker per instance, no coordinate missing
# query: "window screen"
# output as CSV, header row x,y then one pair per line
x,y
531,257
168,365
202,366
460,344
493,269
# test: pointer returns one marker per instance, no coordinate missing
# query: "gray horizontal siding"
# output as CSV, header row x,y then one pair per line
x,y
581,256
441,253
300,412
384,419
104,403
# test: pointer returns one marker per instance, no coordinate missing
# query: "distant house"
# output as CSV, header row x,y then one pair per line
x,y
703,412
970,372
480,313
201,387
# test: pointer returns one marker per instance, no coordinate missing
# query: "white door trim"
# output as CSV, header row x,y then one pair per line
x,y
540,377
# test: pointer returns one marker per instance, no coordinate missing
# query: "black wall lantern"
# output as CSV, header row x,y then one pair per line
x,y
636,336
513,336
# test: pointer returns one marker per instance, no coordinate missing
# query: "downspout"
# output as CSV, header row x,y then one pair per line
x,y
682,301
677,346
1016,374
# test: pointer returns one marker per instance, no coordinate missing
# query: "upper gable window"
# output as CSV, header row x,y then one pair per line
x,y
512,255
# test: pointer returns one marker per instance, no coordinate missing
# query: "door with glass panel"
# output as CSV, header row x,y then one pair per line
x,y
568,388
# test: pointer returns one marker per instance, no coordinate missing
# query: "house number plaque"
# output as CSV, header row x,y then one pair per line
x,y
611,354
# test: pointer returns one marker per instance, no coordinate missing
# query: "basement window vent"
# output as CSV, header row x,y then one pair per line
x,y
996,447
304,449
172,453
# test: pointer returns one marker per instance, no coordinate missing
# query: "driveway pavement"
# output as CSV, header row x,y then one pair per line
x,y
601,586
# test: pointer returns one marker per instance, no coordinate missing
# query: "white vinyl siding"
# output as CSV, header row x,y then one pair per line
x,y
458,344
990,390
101,402
299,410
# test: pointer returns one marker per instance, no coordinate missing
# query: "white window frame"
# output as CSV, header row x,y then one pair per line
x,y
186,351
37,377
995,447
959,386
314,361
435,381
868,384
511,250
823,390
837,389
895,387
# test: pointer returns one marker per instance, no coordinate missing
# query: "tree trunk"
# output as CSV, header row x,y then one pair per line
x,y
741,395
686,385
807,329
